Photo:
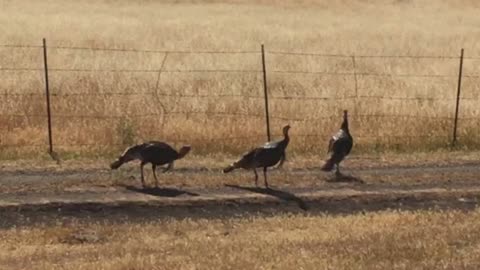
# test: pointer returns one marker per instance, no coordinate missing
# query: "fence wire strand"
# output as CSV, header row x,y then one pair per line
x,y
227,115
363,56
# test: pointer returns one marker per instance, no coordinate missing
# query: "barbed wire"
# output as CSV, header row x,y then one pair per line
x,y
20,69
20,46
363,56
22,94
68,94
406,75
319,54
156,70
326,73
407,98
235,114
226,138
217,96
312,72
153,51
362,117
133,70
470,76
273,97
131,50
323,73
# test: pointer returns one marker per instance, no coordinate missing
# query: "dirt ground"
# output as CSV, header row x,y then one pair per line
x,y
47,192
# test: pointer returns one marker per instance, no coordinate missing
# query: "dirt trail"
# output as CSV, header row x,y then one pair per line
x,y
32,176
459,187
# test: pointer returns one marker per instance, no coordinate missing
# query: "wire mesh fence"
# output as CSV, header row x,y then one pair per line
x,y
215,100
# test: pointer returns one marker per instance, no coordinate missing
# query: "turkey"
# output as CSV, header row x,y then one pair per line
x,y
154,152
340,146
263,157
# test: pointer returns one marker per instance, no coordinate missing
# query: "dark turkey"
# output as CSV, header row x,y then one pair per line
x,y
340,146
154,152
263,157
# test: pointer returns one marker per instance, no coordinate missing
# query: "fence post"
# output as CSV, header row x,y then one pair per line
x,y
47,92
459,87
267,115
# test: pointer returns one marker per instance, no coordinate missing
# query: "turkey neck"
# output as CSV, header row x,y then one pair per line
x,y
182,153
344,126
285,140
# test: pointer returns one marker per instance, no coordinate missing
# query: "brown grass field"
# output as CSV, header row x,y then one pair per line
x,y
104,100
100,111
383,240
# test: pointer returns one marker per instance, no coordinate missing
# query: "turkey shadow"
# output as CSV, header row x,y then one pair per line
x,y
161,192
342,178
282,195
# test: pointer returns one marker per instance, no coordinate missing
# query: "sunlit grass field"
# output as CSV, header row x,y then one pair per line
x,y
394,103
383,240
166,80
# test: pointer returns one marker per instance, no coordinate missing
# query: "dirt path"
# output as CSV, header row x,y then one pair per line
x,y
37,176
446,186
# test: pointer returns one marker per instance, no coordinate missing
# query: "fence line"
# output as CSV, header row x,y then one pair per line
x,y
363,56
242,71
225,139
338,55
21,46
271,71
313,98
226,114
153,51
128,50
239,71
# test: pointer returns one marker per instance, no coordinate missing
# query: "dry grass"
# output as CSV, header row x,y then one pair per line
x,y
344,27
219,161
383,240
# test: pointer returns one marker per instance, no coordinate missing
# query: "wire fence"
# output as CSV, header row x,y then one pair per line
x,y
195,87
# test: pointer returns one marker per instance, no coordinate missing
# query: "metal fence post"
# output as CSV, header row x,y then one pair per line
x,y
47,94
267,115
459,87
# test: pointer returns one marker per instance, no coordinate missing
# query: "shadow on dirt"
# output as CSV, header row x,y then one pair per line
x,y
121,212
345,179
161,192
282,195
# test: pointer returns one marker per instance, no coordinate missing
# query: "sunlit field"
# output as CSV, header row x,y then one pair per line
x,y
384,240
167,81
190,72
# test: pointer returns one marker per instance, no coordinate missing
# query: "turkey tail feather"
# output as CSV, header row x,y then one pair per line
x,y
116,164
328,166
229,168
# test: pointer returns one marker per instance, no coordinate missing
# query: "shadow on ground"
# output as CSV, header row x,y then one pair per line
x,y
345,179
282,195
161,192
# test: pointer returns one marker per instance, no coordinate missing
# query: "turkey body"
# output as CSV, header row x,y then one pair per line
x,y
153,152
264,156
339,146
